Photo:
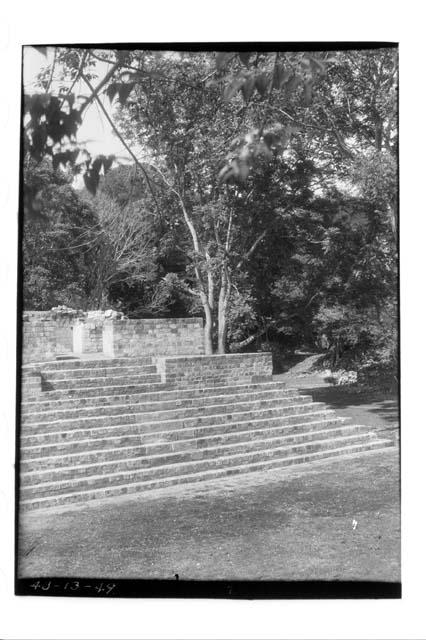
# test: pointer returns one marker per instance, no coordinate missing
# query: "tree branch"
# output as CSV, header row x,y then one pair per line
x,y
123,142
252,249
78,74
51,71
229,231
95,90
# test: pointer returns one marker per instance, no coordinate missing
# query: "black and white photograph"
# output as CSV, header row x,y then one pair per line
x,y
209,321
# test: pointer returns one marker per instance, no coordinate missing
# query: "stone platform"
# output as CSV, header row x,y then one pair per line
x,y
99,427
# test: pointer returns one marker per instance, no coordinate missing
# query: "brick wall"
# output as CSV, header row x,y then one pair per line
x,y
31,385
216,369
46,334
176,336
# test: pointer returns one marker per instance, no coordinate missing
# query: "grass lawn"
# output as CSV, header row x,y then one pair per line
x,y
294,524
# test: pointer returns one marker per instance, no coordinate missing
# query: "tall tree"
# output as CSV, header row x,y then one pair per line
x,y
198,126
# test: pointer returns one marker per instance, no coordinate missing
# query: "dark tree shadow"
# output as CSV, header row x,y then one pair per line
x,y
342,397
283,361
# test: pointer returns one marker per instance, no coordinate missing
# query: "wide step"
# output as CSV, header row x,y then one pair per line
x,y
163,392
189,446
69,442
139,413
220,421
98,372
123,404
75,364
106,427
96,475
103,381
211,474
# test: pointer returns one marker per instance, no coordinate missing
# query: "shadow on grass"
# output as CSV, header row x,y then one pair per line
x,y
384,405
284,361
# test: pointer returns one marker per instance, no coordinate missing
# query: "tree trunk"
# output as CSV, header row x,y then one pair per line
x,y
221,319
208,330
99,296
393,217
221,314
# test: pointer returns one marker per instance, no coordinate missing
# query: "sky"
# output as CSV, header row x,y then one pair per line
x,y
95,128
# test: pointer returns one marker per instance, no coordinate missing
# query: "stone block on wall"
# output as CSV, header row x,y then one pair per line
x,y
216,369
154,337
46,334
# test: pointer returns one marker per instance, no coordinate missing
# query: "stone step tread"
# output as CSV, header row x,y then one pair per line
x,y
71,386
98,372
173,465
139,486
158,413
93,392
95,365
86,379
76,363
142,399
165,390
162,437
194,442
155,464
158,404
169,421
124,434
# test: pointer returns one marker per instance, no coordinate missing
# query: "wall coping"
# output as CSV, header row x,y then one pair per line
x,y
195,319
217,355
95,315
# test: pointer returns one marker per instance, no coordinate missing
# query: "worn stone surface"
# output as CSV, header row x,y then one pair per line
x,y
215,369
175,336
211,440
46,334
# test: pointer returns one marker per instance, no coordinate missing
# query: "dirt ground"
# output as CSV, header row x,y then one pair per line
x,y
336,520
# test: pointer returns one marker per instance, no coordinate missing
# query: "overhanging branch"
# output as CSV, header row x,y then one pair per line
x,y
123,142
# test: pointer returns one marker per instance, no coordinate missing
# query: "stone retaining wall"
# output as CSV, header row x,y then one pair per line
x,y
217,369
177,336
31,383
47,334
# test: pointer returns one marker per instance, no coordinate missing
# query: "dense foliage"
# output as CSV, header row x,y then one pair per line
x,y
263,195
57,259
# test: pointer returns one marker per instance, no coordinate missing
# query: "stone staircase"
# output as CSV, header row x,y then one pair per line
x,y
109,427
